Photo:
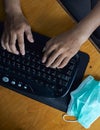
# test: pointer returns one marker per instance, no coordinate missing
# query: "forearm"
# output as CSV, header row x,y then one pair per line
x,y
91,21
12,6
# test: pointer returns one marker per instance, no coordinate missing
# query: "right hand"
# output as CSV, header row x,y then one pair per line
x,y
14,28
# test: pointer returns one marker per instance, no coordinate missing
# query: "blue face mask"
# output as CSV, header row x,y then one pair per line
x,y
85,102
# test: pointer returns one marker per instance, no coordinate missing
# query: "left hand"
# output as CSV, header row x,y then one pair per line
x,y
59,50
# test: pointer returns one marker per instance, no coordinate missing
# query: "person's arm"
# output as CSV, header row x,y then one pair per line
x,y
59,50
91,21
12,6
14,28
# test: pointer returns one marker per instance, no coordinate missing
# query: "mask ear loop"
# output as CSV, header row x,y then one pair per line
x,y
64,118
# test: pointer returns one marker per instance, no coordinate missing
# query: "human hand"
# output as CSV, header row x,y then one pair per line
x,y
14,29
59,50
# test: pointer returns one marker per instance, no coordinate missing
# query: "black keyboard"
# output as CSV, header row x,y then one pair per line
x,y
28,75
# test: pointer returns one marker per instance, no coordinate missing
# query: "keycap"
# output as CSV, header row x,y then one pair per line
x,y
5,79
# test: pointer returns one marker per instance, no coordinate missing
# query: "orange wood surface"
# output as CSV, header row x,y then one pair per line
x,y
18,112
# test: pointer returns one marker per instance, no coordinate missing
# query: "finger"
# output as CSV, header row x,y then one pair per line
x,y
6,42
53,57
29,35
64,62
47,53
12,45
58,61
7,47
21,43
2,42
48,44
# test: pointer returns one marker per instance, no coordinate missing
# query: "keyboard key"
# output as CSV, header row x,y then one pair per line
x,y
69,72
25,87
19,84
5,79
62,83
13,82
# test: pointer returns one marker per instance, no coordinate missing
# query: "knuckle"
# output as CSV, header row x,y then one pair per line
x,y
10,41
55,45
65,54
19,31
21,44
52,47
22,27
62,56
11,45
11,48
25,26
28,27
20,36
50,59
70,50
60,49
5,42
47,44
12,32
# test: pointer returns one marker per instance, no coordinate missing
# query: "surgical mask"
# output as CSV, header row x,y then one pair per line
x,y
85,102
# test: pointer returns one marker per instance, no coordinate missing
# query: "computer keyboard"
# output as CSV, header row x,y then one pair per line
x,y
28,75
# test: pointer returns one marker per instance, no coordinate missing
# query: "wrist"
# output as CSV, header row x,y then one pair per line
x,y
12,7
13,11
81,33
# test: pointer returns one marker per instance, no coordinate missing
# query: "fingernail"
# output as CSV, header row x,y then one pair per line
x,y
51,66
23,53
47,65
31,39
59,68
4,48
17,53
43,60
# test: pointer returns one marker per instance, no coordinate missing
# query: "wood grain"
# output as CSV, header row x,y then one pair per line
x,y
18,112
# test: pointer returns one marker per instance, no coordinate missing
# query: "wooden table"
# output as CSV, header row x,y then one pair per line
x,y
18,112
